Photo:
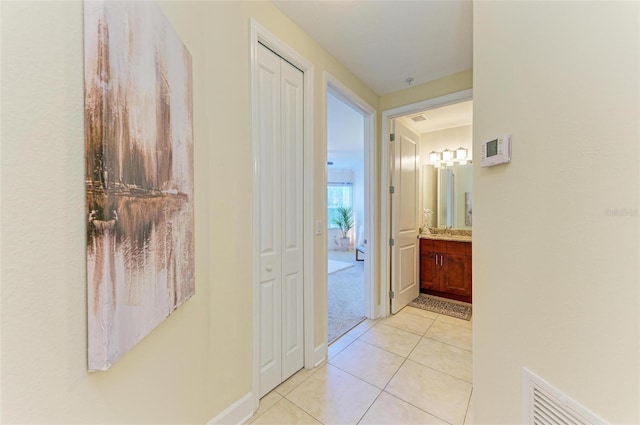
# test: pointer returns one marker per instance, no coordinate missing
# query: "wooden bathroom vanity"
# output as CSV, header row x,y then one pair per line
x,y
445,267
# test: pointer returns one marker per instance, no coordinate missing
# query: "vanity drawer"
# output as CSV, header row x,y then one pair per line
x,y
456,247
425,246
440,246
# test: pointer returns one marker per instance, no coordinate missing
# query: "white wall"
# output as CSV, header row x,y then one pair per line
x,y
198,362
450,138
339,175
165,378
556,282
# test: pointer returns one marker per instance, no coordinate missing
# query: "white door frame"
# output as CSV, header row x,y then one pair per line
x,y
259,34
334,86
385,213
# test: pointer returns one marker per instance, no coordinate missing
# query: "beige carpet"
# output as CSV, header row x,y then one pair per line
x,y
345,293
336,266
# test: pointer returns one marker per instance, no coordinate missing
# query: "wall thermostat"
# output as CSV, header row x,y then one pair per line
x,y
496,151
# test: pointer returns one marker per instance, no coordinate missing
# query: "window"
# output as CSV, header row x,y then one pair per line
x,y
338,195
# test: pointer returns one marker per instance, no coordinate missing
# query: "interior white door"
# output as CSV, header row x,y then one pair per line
x,y
405,284
280,210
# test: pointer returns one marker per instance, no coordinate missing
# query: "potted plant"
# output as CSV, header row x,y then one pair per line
x,y
344,221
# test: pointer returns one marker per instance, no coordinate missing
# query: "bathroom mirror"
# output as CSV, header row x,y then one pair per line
x,y
447,193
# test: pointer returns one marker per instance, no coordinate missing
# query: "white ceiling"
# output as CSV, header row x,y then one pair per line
x,y
385,42
345,135
449,116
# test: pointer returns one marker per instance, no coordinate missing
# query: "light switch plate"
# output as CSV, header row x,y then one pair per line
x,y
318,227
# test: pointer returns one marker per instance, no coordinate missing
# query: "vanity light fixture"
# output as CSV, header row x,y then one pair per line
x,y
447,157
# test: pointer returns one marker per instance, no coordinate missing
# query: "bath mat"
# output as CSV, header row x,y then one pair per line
x,y
438,305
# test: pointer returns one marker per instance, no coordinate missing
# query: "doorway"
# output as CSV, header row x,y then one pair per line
x,y
350,197
345,217
391,281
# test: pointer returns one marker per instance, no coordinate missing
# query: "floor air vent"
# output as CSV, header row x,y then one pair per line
x,y
546,405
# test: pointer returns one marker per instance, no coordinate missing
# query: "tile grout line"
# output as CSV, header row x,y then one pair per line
x,y
384,390
253,419
343,348
404,359
384,349
411,404
360,379
315,370
419,408
407,359
357,377
466,413
347,331
293,389
438,316
308,413
441,371
369,408
447,343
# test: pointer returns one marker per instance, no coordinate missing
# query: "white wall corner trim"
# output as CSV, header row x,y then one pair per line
x,y
320,354
379,311
238,413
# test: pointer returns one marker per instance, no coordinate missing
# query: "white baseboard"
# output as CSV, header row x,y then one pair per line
x,y
236,414
378,311
243,409
320,354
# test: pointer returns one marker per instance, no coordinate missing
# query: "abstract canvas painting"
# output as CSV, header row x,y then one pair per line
x,y
139,174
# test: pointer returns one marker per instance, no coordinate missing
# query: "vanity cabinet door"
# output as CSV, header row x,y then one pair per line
x,y
429,278
445,269
455,281
427,266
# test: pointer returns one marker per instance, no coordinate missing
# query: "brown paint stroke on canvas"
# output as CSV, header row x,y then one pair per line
x,y
139,189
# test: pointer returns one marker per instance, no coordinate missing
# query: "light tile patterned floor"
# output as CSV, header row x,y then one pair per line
x,y
411,368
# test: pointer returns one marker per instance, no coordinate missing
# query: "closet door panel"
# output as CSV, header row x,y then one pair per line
x,y
270,234
291,89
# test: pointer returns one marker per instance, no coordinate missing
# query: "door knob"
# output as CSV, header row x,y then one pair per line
x,y
269,267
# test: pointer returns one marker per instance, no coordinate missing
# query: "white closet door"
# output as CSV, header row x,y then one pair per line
x,y
269,169
280,233
291,89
